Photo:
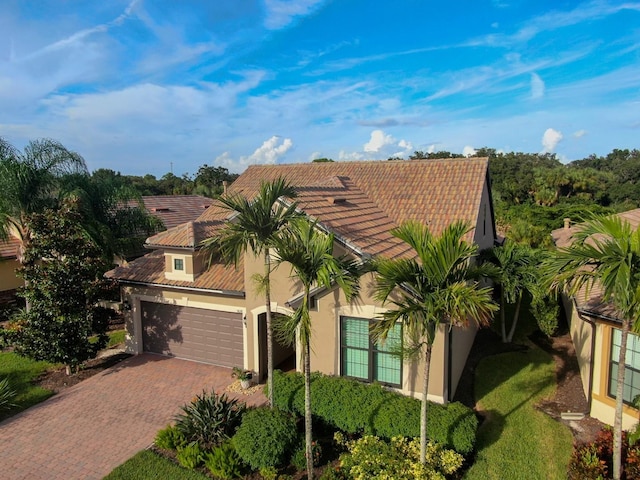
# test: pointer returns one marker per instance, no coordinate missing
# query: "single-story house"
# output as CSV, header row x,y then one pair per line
x,y
179,306
171,209
595,332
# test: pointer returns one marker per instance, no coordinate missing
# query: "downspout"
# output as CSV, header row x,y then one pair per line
x,y
449,393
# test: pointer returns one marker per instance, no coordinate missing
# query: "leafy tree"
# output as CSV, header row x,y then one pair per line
x,y
255,229
514,270
63,281
111,212
436,287
606,252
209,180
322,160
29,182
310,254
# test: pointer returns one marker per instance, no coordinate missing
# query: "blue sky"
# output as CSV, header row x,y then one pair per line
x,y
136,86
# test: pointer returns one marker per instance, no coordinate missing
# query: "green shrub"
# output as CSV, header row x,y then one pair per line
x,y
170,438
331,473
355,407
265,437
269,473
190,455
210,419
371,457
7,394
299,457
224,462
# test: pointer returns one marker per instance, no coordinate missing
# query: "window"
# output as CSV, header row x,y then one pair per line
x,y
363,359
632,362
178,264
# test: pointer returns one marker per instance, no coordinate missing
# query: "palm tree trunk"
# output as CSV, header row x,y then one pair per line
x,y
502,315
267,294
617,424
516,315
307,410
423,411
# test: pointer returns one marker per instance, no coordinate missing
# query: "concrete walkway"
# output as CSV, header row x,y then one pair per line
x,y
91,428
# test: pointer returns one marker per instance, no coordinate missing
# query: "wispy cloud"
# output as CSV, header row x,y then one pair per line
x,y
537,86
280,13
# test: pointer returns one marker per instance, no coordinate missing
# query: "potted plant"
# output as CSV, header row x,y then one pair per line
x,y
243,375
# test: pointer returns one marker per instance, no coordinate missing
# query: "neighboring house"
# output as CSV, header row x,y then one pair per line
x,y
595,331
9,282
171,209
181,308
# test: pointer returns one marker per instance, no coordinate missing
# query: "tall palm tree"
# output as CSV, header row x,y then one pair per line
x,y
29,182
255,228
514,270
606,252
436,286
310,254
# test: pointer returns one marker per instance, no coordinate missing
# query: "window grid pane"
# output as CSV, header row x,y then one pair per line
x,y
631,387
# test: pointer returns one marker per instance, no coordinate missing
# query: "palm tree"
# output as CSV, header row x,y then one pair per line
x,y
29,182
514,270
254,227
606,252
310,254
435,287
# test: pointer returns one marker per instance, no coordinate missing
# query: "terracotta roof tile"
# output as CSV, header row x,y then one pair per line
x,y
174,210
359,201
150,270
591,304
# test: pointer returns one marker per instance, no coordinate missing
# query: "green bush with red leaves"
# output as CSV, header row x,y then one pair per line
x,y
594,461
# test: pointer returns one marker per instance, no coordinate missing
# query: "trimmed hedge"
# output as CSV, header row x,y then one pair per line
x,y
356,407
265,437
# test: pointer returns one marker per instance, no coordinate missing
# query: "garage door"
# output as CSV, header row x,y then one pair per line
x,y
207,336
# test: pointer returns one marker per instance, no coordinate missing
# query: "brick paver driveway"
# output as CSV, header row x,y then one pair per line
x,y
89,429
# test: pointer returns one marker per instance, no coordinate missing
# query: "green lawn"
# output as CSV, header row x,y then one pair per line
x,y
516,441
21,373
146,465
116,337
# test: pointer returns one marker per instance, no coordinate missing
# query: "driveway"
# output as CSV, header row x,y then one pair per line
x,y
91,428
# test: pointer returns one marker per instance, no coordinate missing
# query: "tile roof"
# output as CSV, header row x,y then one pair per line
x,y
359,201
8,248
174,210
150,270
591,304
378,195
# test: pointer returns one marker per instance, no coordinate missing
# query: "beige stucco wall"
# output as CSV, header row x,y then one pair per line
x,y
461,343
8,278
582,337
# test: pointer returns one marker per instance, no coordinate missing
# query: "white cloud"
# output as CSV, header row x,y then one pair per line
x,y
281,13
314,155
550,139
579,133
343,155
537,86
266,154
378,141
405,145
468,151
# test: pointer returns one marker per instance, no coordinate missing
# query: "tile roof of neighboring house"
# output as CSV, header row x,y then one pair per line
x,y
373,197
591,304
174,210
359,201
8,248
150,270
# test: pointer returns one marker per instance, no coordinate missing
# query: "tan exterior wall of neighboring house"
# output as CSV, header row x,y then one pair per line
x,y
582,337
8,278
602,405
